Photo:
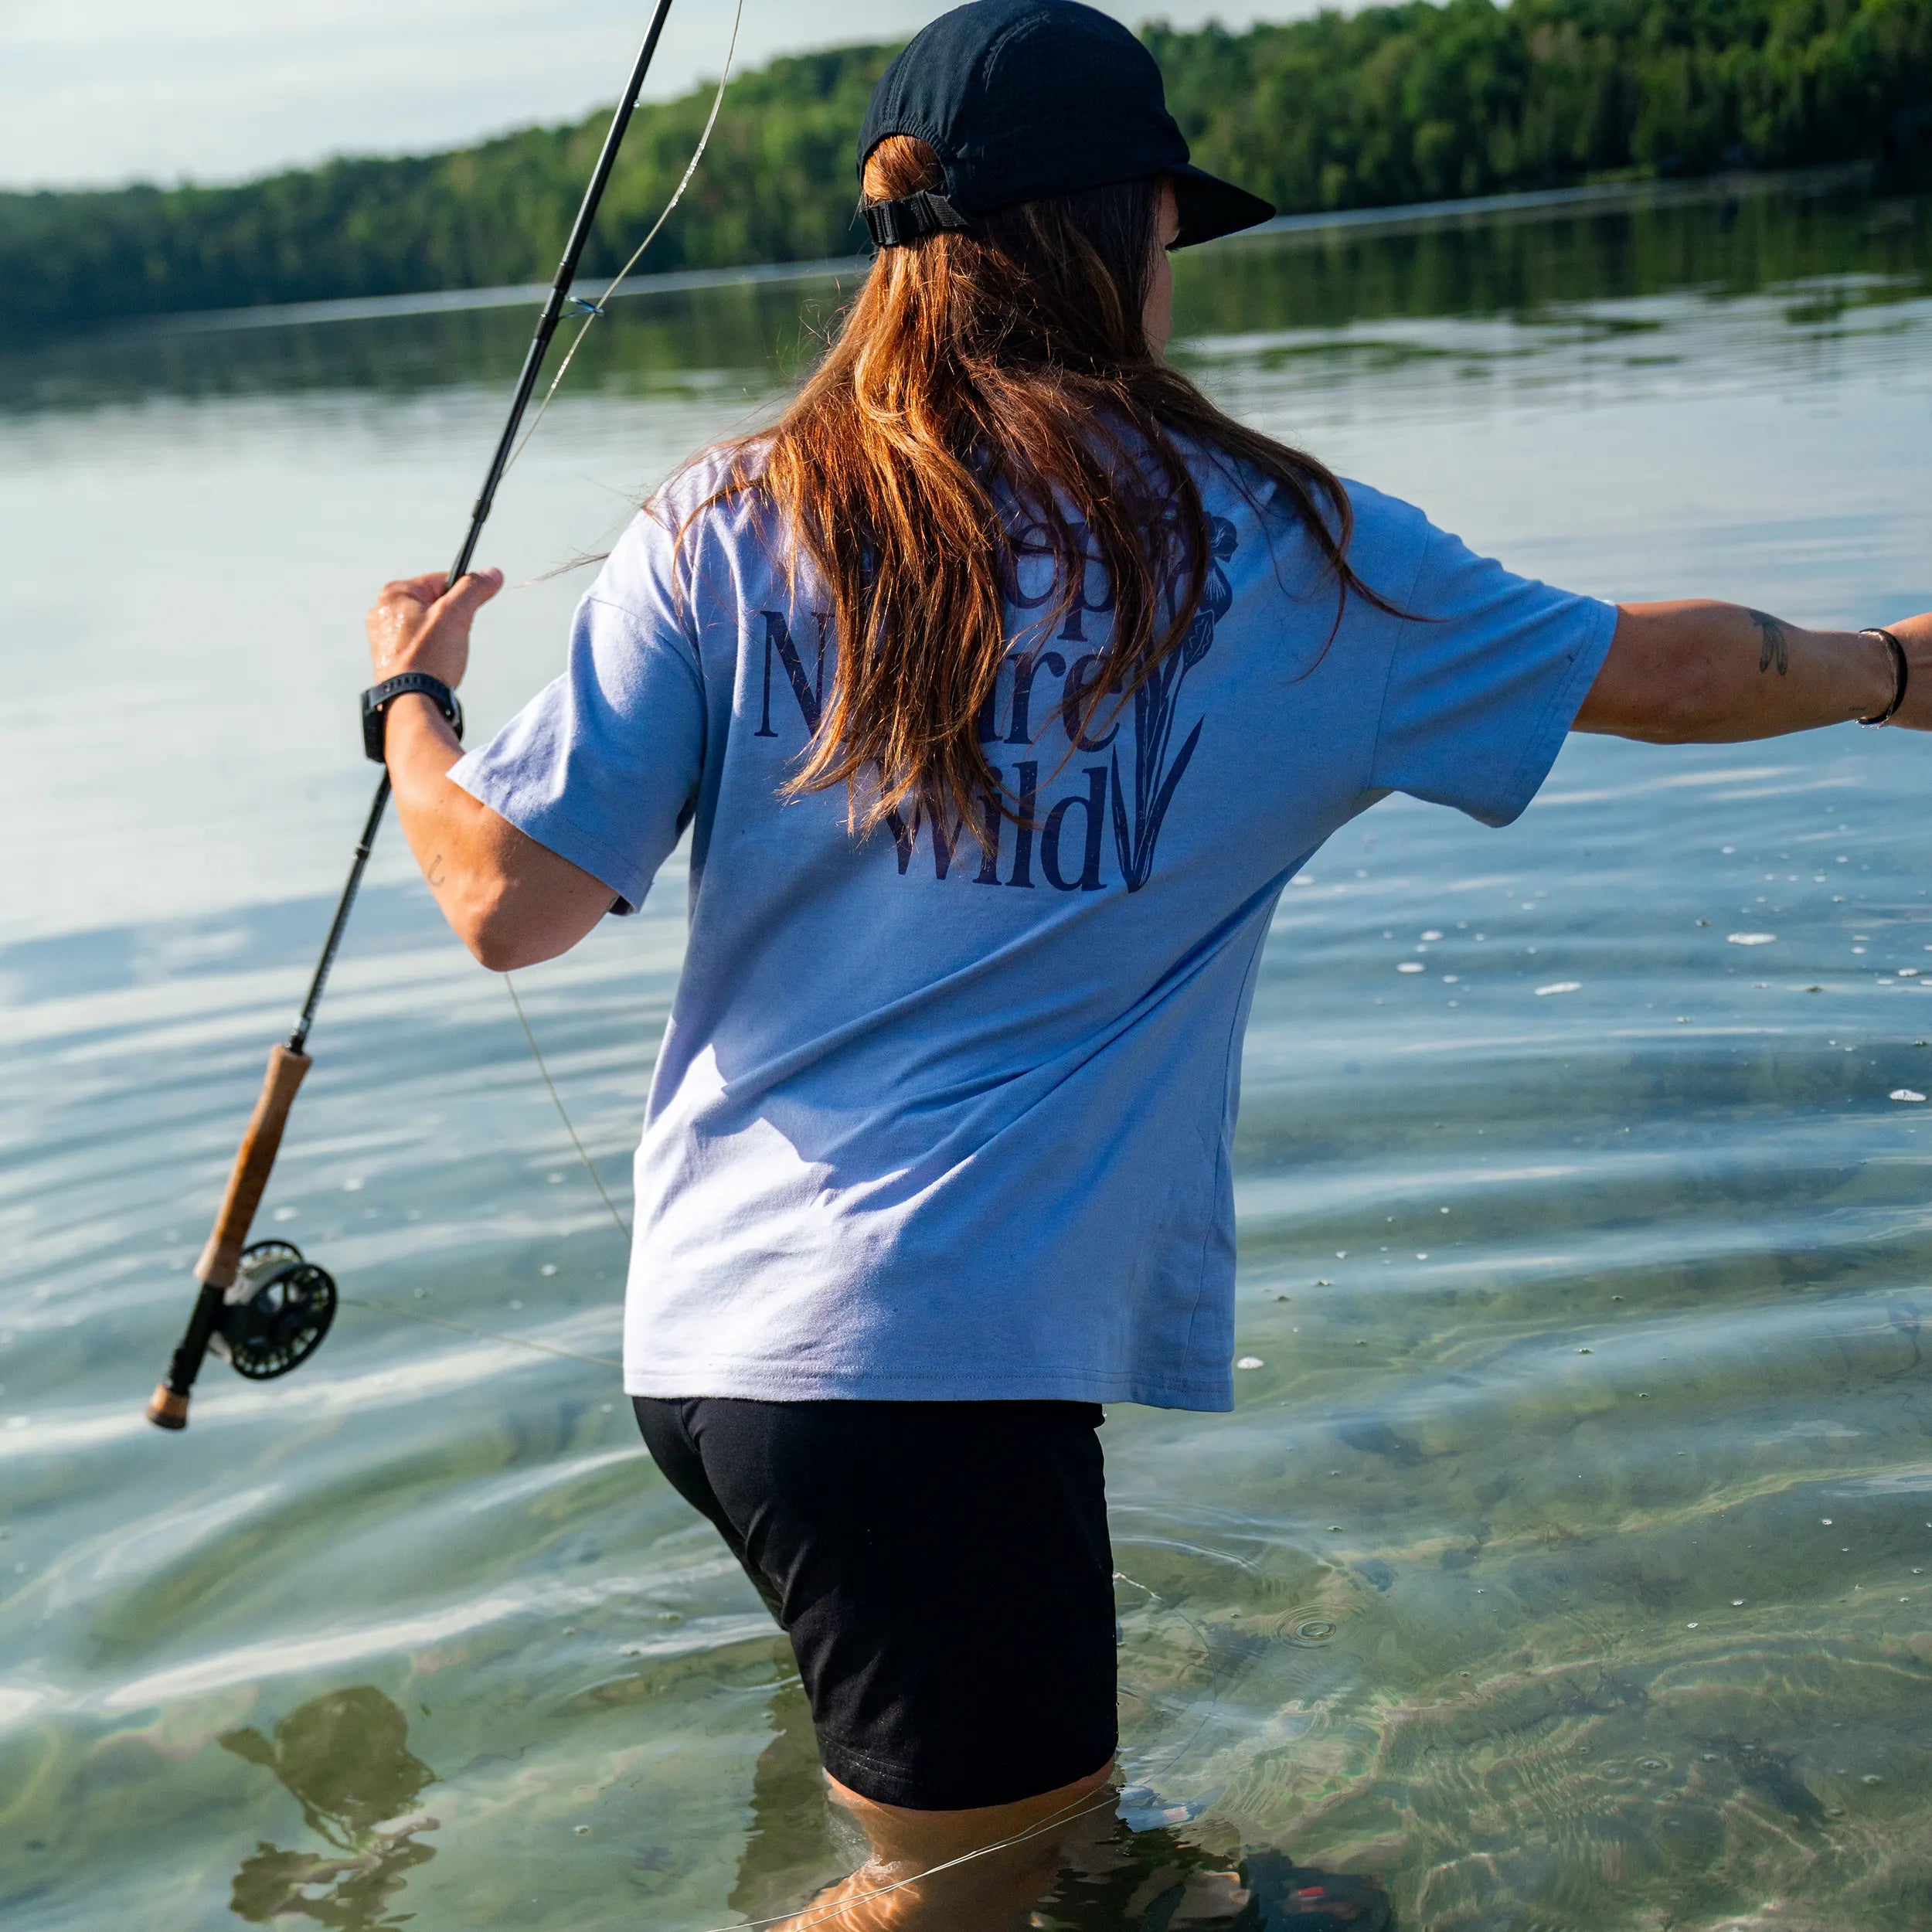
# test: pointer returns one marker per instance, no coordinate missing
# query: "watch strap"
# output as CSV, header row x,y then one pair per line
x,y
376,700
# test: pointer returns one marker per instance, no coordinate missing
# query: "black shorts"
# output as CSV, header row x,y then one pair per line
x,y
942,1569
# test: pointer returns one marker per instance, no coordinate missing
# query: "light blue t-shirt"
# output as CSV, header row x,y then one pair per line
x,y
940,1116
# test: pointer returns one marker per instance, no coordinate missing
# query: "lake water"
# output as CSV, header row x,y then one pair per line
x,y
1566,1559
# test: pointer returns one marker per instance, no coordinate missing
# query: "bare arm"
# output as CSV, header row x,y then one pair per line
x,y
512,901
1704,673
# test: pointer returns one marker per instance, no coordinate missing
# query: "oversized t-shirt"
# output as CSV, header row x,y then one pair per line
x,y
946,1113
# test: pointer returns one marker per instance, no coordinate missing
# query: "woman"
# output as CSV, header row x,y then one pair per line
x,y
1003,685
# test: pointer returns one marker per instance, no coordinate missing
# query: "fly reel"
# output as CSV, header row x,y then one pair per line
x,y
275,1316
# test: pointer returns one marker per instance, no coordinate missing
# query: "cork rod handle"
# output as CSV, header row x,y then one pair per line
x,y
221,1259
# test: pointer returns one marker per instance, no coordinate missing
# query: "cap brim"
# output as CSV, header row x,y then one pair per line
x,y
1209,206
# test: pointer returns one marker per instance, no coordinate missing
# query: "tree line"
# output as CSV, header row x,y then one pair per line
x,y
1390,104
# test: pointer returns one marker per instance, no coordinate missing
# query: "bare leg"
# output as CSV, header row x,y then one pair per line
x,y
994,1892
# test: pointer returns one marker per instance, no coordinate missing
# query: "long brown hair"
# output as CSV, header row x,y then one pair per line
x,y
983,377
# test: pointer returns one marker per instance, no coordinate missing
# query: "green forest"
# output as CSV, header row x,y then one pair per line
x,y
1387,105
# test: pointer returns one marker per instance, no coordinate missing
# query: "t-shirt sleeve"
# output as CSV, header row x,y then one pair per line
x,y
602,766
1485,683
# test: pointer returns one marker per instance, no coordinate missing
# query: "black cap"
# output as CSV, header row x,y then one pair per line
x,y
1021,99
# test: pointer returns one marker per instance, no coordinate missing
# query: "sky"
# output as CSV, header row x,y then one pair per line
x,y
104,91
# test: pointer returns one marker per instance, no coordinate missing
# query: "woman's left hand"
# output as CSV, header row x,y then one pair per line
x,y
416,625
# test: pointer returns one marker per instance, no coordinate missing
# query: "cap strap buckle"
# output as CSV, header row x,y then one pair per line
x,y
892,223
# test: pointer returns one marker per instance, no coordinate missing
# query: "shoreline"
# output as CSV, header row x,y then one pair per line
x,y
1610,196
1605,197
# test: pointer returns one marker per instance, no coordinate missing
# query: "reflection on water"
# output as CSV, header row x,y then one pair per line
x,y
723,341
793,1844
1566,1559
344,1759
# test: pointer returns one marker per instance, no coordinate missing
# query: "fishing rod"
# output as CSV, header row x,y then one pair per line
x,y
265,1307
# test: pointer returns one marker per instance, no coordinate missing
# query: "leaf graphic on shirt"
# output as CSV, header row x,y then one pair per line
x,y
1155,704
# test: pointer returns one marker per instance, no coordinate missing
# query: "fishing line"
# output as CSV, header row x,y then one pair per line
x,y
590,1166
1065,1815
593,310
482,1335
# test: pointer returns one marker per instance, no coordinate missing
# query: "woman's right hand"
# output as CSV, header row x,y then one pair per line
x,y
415,624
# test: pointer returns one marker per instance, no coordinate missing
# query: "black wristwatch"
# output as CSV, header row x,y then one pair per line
x,y
376,701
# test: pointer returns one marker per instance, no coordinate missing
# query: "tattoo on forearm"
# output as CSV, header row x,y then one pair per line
x,y
1776,646
434,871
